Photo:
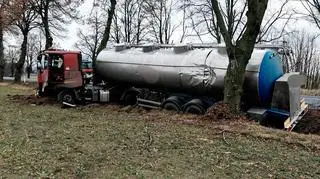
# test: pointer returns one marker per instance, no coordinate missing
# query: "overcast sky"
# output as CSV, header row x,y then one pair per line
x,y
70,38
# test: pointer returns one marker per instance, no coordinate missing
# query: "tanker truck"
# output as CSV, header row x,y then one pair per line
x,y
184,78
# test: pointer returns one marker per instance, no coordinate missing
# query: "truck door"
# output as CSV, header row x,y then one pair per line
x,y
56,68
72,70
43,72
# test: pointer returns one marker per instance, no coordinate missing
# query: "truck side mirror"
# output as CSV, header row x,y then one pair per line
x,y
39,62
39,65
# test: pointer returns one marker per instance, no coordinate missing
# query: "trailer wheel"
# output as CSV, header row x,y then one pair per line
x,y
130,99
67,97
194,109
170,106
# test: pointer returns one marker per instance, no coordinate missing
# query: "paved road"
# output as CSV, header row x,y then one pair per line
x,y
312,101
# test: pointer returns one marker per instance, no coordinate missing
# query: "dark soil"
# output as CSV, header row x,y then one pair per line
x,y
310,124
222,112
31,99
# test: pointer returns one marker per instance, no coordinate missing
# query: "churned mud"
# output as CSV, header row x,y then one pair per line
x,y
31,99
222,112
310,124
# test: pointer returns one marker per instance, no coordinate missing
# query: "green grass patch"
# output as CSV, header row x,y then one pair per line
x,y
105,142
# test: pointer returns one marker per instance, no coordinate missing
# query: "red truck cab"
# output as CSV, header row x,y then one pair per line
x,y
86,68
59,72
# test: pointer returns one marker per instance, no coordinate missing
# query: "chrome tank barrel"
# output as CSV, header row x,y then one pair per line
x,y
198,71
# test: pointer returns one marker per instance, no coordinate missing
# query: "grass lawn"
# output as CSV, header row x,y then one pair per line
x,y
108,142
315,92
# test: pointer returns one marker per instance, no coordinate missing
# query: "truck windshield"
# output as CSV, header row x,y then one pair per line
x,y
86,65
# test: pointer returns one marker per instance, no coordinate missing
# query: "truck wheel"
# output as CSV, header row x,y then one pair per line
x,y
39,92
67,97
130,99
170,106
194,109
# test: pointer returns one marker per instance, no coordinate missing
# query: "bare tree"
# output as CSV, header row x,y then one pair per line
x,y
185,8
95,39
89,40
159,13
10,11
128,12
116,33
305,57
313,8
139,24
54,14
239,47
107,28
203,19
123,21
129,22
33,49
275,22
105,36
11,58
26,23
232,14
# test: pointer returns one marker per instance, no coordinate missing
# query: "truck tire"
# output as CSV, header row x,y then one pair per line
x,y
170,106
39,92
130,99
67,97
194,109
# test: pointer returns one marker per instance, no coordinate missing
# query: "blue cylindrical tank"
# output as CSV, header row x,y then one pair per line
x,y
270,70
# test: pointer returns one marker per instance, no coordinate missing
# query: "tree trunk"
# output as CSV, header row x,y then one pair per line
x,y
106,34
49,39
2,60
239,52
12,67
19,66
29,67
45,20
29,71
138,36
31,64
161,23
105,39
218,38
234,81
116,29
139,22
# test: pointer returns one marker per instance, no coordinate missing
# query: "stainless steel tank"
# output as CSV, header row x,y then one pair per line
x,y
197,71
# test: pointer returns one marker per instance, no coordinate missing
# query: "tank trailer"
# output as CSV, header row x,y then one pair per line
x,y
185,78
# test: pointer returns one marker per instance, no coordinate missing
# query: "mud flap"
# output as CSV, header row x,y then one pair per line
x,y
286,98
291,122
